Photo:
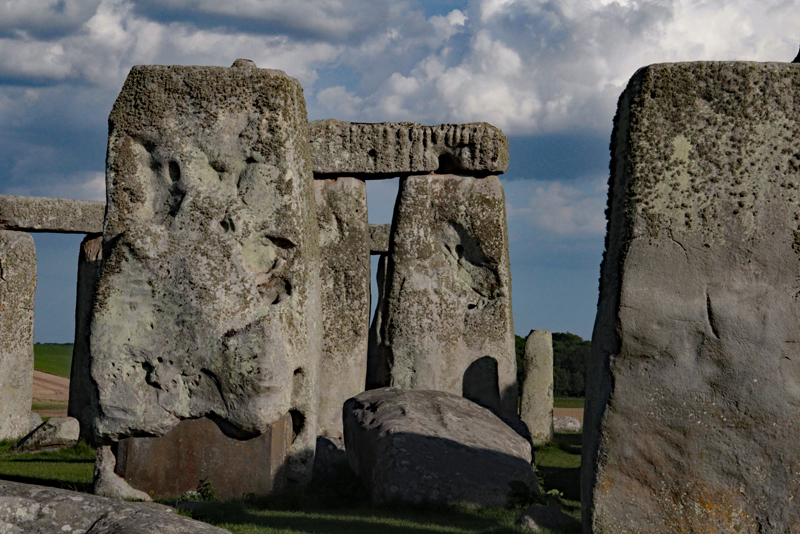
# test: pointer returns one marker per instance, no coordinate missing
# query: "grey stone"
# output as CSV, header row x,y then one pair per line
x,y
693,396
565,423
379,238
53,434
330,455
377,354
83,397
546,517
34,420
208,299
17,294
536,404
391,148
432,446
447,322
56,215
344,242
106,481
28,508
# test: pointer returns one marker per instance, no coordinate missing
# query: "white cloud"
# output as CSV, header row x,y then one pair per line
x,y
81,186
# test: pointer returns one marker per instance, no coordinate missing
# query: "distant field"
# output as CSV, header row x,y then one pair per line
x,y
568,402
53,358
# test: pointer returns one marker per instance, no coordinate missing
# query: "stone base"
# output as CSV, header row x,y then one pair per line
x,y
196,450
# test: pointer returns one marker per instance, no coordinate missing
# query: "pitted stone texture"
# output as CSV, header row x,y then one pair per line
x,y
53,434
693,398
379,238
431,446
447,323
208,298
339,147
377,354
17,294
56,215
27,508
83,398
344,240
536,403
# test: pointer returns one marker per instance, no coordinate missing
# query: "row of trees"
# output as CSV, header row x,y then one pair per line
x,y
570,355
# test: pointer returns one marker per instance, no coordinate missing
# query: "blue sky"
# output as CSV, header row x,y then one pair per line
x,y
548,72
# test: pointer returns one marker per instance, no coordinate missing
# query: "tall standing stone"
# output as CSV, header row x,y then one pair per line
x,y
536,406
447,321
17,294
208,298
693,397
344,243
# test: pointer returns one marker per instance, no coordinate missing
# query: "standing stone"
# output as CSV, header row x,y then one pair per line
x,y
208,298
344,244
536,407
377,357
17,293
82,391
447,323
693,397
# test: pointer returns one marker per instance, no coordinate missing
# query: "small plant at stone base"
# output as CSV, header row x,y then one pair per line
x,y
204,492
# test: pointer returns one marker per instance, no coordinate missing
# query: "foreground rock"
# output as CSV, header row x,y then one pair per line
x,y
538,518
536,399
17,293
432,446
693,388
53,434
27,508
446,320
208,297
58,215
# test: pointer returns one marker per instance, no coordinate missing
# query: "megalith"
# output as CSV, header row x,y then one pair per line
x,y
17,294
208,302
344,245
446,321
536,399
693,390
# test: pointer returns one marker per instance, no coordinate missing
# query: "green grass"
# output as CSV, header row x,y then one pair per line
x,y
53,358
568,402
559,464
70,468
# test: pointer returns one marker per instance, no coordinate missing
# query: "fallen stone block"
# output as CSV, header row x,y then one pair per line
x,y
431,446
53,434
538,518
54,215
34,420
536,400
693,387
565,423
391,148
330,455
27,508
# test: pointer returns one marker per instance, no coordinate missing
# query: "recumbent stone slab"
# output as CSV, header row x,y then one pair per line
x,y
344,235
53,434
536,400
446,320
339,147
57,215
208,298
693,397
17,294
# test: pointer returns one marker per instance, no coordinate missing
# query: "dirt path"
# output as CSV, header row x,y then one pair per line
x,y
51,389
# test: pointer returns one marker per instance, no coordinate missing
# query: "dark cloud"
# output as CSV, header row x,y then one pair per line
x,y
44,19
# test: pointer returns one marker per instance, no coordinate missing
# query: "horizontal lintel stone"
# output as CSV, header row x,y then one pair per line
x,y
386,148
56,215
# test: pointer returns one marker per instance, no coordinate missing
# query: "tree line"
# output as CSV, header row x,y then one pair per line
x,y
570,355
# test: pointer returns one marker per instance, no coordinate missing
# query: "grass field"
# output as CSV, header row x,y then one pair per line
x,y
53,358
69,468
568,402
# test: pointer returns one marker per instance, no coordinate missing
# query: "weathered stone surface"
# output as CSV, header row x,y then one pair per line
x,y
340,147
538,518
344,240
109,484
197,450
27,508
208,298
34,420
17,294
565,423
53,434
432,446
55,215
83,400
447,322
330,455
693,397
379,238
536,406
377,357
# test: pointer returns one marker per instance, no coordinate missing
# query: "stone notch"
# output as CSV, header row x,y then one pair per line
x,y
391,148
54,215
208,300
693,386
379,238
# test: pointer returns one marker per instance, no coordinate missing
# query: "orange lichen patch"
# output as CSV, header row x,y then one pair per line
x,y
700,507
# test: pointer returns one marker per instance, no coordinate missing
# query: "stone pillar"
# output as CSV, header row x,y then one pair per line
x,y
208,301
344,236
447,322
17,295
82,391
536,408
377,356
693,387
